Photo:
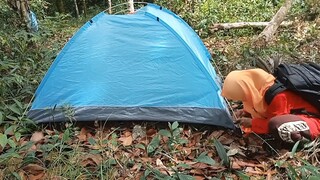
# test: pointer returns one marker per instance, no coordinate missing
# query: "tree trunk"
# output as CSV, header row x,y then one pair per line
x,y
22,9
25,12
267,34
109,7
76,7
84,6
131,6
60,6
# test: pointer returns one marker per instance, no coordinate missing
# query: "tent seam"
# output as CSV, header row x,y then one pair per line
x,y
200,65
186,24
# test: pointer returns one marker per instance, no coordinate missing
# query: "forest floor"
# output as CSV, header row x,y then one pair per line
x,y
151,150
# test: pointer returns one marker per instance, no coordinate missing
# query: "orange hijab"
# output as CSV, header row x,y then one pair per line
x,y
249,86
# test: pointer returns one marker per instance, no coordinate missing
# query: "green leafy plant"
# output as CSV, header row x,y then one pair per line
x,y
173,135
153,145
204,158
222,153
299,168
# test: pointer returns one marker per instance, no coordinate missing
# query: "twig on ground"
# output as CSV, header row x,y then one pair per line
x,y
266,143
169,157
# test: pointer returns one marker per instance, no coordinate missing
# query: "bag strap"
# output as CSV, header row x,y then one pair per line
x,y
273,90
303,111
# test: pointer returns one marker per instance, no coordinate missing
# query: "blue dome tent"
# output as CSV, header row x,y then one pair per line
x,y
149,65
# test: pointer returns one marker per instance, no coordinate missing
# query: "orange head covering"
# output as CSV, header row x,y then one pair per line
x,y
249,86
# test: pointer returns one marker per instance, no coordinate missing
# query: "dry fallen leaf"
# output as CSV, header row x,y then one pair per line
x,y
126,141
139,176
146,159
199,177
195,139
136,152
235,165
36,177
255,171
226,139
136,167
37,136
162,168
247,164
150,132
22,175
89,135
269,175
138,131
160,164
187,132
91,159
187,151
49,132
197,171
200,165
127,133
33,148
216,134
33,167
83,134
34,171
249,169
191,155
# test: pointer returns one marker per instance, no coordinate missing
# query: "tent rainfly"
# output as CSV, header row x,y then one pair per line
x,y
149,66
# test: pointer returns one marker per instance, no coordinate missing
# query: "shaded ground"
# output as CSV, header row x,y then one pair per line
x,y
153,150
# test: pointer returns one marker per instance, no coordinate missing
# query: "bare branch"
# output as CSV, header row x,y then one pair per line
x,y
238,25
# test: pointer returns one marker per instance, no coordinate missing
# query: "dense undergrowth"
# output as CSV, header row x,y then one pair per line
x,y
70,152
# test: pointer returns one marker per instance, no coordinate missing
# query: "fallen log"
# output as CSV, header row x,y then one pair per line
x,y
267,34
238,25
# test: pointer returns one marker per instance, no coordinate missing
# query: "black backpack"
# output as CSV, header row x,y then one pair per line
x,y
301,78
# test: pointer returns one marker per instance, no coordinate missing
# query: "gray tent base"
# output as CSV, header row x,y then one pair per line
x,y
208,116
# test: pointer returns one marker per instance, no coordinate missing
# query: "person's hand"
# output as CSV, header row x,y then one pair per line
x,y
245,122
238,113
241,113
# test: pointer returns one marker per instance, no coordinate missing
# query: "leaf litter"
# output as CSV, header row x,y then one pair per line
x,y
206,153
